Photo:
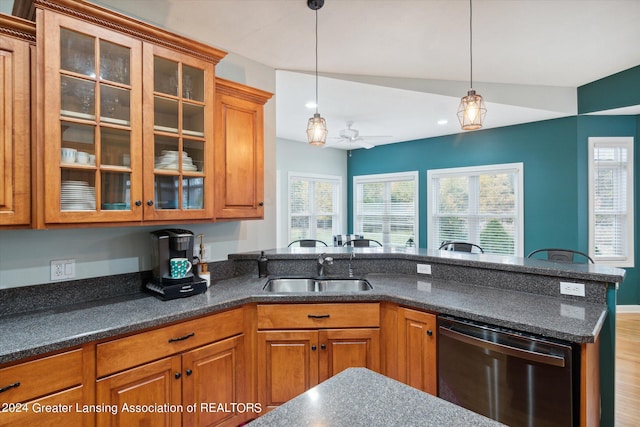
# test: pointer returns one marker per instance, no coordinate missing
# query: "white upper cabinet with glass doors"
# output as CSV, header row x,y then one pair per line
x,y
126,118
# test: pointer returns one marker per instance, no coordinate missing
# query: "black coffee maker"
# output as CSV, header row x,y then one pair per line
x,y
166,245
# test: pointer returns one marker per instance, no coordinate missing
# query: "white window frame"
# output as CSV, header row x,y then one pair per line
x,y
517,168
337,181
386,177
628,258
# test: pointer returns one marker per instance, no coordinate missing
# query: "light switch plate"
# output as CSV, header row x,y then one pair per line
x,y
424,268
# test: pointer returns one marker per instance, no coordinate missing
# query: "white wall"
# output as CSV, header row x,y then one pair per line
x,y
295,156
25,255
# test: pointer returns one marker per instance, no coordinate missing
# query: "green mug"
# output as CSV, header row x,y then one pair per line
x,y
179,267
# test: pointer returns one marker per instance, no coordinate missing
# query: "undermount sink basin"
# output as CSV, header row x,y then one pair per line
x,y
298,284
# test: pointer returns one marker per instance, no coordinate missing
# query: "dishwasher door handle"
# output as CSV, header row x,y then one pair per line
x,y
547,359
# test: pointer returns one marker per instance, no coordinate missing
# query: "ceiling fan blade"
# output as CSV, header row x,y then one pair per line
x,y
364,144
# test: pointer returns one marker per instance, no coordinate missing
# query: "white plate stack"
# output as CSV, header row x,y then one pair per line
x,y
77,196
169,161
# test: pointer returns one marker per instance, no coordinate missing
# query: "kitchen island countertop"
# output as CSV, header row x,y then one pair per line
x,y
360,397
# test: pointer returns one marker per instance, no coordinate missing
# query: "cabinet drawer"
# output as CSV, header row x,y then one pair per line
x,y
41,376
123,353
292,316
34,415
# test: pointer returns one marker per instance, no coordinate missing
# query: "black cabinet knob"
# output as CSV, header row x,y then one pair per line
x,y
177,375
323,346
189,372
260,203
429,332
149,202
313,348
138,202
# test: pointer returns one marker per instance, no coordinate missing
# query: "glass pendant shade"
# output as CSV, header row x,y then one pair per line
x,y
471,111
317,130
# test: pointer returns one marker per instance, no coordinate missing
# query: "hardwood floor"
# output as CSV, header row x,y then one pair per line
x,y
627,369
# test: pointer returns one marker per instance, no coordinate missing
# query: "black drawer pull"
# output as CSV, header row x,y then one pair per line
x,y
318,316
182,338
10,386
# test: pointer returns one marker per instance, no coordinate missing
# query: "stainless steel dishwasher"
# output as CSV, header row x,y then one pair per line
x,y
512,377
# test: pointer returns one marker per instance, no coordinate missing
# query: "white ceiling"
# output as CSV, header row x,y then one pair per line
x,y
396,67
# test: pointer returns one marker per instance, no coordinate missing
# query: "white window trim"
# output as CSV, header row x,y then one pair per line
x,y
518,168
629,259
317,177
386,177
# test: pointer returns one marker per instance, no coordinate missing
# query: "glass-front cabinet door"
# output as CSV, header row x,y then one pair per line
x,y
92,123
178,133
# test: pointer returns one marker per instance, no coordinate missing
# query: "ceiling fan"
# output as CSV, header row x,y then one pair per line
x,y
353,136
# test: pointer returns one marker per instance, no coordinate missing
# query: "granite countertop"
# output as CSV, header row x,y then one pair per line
x,y
360,397
33,333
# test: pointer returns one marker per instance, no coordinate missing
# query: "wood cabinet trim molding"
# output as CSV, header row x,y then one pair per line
x,y
237,90
18,28
118,22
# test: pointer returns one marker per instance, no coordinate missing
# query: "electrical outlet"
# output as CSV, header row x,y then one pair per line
x,y
568,288
63,269
424,268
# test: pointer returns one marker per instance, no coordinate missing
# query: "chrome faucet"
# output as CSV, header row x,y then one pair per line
x,y
323,259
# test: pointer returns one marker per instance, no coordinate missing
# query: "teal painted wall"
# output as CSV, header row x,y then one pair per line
x,y
554,154
618,90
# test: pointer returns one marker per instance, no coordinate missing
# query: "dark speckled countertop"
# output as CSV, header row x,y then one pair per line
x,y
360,397
38,332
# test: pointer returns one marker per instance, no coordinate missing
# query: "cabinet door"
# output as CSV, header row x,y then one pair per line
x,y
239,151
348,348
287,365
154,384
417,349
214,375
92,128
178,135
15,132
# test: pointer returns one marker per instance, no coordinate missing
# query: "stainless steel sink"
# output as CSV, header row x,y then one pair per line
x,y
290,285
343,285
298,284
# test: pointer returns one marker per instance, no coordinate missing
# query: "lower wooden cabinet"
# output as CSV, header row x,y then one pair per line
x,y
417,355
185,389
215,375
49,391
139,396
191,373
290,361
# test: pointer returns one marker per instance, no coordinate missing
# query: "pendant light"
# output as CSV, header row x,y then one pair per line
x,y
472,110
317,126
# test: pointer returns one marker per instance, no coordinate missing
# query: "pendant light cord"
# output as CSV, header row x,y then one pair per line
x,y
470,44
316,61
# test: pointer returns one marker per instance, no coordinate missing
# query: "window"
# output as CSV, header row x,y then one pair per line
x,y
385,207
481,205
611,201
314,211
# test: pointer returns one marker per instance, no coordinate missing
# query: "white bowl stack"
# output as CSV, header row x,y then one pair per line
x,y
77,196
169,161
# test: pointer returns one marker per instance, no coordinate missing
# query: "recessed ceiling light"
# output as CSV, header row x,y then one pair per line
x,y
443,121
310,104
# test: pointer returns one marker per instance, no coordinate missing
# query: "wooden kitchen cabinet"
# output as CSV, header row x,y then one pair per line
x,y
239,151
417,356
17,40
143,151
201,362
48,391
290,361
